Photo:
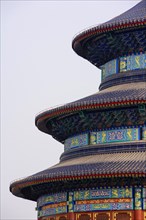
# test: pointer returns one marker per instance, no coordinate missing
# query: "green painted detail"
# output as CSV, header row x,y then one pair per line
x,y
138,198
71,202
119,135
123,64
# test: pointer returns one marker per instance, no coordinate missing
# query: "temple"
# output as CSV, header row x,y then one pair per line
x,y
102,171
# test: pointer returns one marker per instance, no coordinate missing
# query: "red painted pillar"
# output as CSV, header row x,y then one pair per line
x,y
138,215
71,216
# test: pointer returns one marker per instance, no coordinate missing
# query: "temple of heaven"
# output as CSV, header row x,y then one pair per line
x,y
102,171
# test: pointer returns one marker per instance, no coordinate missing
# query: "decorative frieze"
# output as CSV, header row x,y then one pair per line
x,y
133,62
103,193
144,133
144,198
124,64
144,193
71,202
104,206
99,199
144,204
119,135
109,68
77,141
138,198
51,199
52,211
102,137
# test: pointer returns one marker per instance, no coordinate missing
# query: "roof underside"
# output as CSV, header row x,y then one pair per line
x,y
122,35
116,106
119,93
87,114
95,166
101,48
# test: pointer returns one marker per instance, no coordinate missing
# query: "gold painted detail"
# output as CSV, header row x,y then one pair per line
x,y
103,201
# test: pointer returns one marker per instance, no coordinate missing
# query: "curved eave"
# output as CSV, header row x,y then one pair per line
x,y
104,29
68,109
107,28
115,165
16,187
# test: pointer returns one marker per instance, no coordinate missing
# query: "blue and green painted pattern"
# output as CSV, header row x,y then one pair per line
x,y
124,64
144,204
77,141
128,198
109,68
144,133
52,199
138,198
104,206
71,202
133,62
52,211
103,137
103,194
120,135
144,198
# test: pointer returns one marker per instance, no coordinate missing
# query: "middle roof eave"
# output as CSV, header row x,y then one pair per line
x,y
118,95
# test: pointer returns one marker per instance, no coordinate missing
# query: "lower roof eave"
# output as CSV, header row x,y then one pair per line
x,y
17,187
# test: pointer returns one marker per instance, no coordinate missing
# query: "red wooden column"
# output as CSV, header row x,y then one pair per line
x,y
138,215
71,216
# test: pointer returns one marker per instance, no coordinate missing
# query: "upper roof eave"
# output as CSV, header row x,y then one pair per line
x,y
134,17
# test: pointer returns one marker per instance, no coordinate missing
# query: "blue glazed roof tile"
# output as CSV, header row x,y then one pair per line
x,y
131,162
136,13
119,93
108,41
115,94
102,163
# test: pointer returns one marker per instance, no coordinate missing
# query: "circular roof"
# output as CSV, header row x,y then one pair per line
x,y
122,35
95,166
112,97
91,44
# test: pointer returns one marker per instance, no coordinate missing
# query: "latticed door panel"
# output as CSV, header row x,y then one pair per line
x,y
62,218
102,216
123,216
49,218
84,217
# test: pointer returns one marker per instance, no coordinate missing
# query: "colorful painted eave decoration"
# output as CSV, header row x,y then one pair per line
x,y
18,185
108,27
68,109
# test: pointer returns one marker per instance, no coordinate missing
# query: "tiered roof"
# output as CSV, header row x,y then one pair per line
x,y
94,165
98,166
124,95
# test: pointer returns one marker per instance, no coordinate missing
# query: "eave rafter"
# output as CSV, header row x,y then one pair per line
x,y
87,120
115,45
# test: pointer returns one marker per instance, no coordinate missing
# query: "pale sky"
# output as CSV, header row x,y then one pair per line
x,y
39,70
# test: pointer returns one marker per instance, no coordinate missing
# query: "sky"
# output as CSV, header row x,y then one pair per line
x,y
40,70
